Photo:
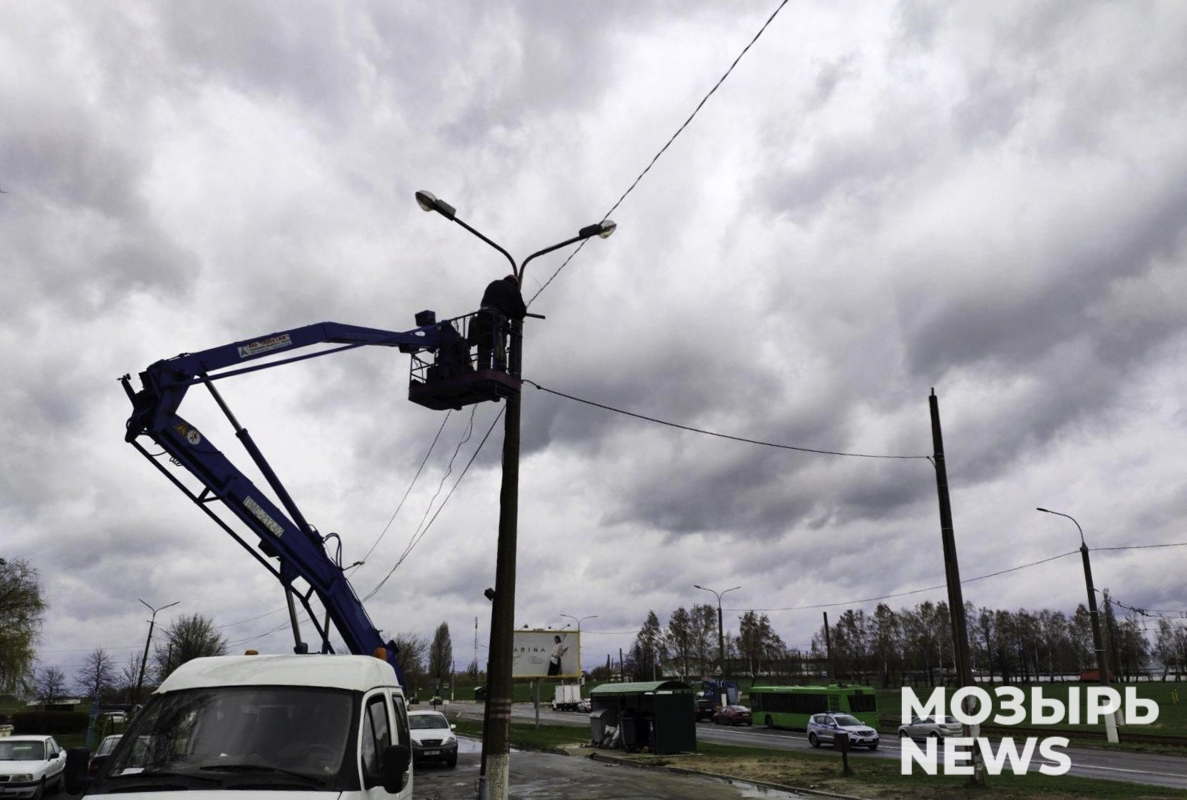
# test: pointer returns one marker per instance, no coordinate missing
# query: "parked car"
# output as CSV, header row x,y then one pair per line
x,y
432,737
30,766
930,727
732,715
824,728
706,707
585,705
101,754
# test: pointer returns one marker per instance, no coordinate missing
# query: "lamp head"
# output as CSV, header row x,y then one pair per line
x,y
430,202
602,229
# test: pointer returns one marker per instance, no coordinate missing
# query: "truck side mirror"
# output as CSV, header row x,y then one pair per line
x,y
75,776
397,758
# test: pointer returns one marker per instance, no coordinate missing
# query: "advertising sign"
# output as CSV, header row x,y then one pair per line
x,y
544,654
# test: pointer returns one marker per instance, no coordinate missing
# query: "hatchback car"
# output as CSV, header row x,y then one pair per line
x,y
732,715
30,766
432,737
930,727
825,727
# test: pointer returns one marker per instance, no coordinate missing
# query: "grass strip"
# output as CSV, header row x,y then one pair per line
x,y
875,778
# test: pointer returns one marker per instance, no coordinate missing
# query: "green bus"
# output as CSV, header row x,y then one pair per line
x,y
790,706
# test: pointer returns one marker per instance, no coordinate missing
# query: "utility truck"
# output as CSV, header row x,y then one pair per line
x,y
264,723
297,723
567,697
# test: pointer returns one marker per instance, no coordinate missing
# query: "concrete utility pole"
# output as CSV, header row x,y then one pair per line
x,y
960,636
493,782
720,627
144,661
1098,641
828,650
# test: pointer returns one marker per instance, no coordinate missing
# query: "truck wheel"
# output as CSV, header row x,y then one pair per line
x,y
451,762
40,791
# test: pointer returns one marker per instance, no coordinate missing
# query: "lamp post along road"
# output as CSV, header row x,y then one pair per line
x,y
144,660
493,781
1098,642
580,667
720,626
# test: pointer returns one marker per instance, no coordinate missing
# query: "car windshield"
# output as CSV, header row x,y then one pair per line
x,y
22,751
261,735
420,722
107,745
845,719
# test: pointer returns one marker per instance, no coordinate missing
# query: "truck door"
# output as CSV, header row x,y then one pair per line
x,y
382,725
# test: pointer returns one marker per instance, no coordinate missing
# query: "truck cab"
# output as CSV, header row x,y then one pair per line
x,y
291,723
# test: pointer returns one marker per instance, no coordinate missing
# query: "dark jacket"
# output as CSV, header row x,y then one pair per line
x,y
504,296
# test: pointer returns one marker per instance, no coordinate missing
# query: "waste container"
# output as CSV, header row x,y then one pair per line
x,y
630,731
598,722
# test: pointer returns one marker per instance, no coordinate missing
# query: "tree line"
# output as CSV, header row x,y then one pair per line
x,y
911,646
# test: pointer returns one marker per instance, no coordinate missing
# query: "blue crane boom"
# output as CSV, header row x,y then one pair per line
x,y
282,529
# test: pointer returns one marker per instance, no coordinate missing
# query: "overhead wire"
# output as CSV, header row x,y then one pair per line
x,y
912,591
409,489
667,144
441,484
466,469
722,435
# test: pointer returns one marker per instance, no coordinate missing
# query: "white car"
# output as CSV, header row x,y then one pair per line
x,y
432,737
930,727
30,766
825,727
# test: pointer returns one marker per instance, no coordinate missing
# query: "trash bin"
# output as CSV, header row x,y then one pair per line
x,y
598,722
630,732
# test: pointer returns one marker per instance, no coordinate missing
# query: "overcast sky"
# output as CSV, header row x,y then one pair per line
x,y
985,198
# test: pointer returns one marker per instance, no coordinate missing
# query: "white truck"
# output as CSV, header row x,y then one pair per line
x,y
290,723
567,698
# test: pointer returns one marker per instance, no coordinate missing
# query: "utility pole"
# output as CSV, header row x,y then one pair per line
x,y
720,627
1098,642
144,660
828,649
960,637
493,781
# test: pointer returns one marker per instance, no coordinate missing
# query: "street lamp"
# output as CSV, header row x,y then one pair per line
x,y
143,661
1102,662
496,746
579,621
720,627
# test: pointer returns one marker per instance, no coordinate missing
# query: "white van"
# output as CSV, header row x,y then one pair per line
x,y
289,723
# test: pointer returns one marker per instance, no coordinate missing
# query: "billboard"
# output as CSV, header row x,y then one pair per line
x,y
543,654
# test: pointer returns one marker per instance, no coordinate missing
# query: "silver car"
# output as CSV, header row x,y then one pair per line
x,y
930,727
823,728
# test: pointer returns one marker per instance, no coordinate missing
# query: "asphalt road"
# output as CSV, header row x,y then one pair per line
x,y
535,776
1150,769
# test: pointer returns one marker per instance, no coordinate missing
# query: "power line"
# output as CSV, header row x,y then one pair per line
x,y
477,450
1141,546
409,490
721,435
667,144
913,591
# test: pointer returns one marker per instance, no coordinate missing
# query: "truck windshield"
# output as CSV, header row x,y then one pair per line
x,y
236,738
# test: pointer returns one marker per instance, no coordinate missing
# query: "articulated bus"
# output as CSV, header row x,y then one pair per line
x,y
790,706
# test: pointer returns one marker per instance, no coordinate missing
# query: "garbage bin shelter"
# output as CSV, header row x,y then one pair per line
x,y
659,716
